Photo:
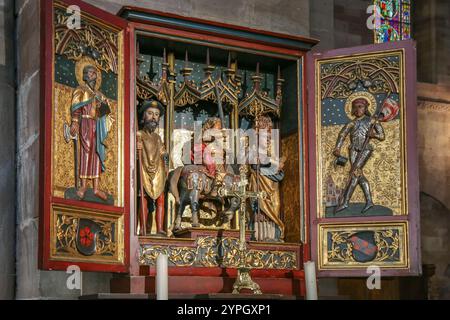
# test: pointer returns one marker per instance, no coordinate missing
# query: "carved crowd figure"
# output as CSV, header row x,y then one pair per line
x,y
363,127
90,122
153,163
267,221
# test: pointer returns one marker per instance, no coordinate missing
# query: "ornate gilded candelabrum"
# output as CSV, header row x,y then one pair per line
x,y
243,280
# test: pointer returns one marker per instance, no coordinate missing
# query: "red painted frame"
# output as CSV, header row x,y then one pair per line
x,y
411,159
47,200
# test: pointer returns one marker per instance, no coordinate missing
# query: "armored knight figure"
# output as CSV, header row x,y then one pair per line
x,y
363,127
152,166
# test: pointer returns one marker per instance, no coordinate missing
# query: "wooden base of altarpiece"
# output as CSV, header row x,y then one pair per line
x,y
203,264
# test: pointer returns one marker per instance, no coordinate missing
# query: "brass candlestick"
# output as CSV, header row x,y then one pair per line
x,y
243,280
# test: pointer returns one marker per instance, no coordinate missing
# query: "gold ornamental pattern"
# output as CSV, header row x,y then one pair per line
x,y
341,245
72,43
63,156
108,242
218,252
290,189
336,79
387,242
384,169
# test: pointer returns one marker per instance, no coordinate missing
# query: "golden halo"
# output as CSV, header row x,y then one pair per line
x,y
79,67
360,95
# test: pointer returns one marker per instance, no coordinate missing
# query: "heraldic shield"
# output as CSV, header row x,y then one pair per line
x,y
364,246
87,234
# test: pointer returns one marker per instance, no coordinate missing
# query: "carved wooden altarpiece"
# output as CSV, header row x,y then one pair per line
x,y
98,74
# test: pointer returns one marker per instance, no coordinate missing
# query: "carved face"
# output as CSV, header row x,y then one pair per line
x,y
265,123
217,125
359,107
90,75
150,118
152,114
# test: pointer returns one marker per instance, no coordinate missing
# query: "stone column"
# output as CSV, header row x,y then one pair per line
x,y
27,206
7,150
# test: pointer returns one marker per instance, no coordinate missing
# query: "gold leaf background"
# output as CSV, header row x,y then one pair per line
x,y
383,169
290,189
63,153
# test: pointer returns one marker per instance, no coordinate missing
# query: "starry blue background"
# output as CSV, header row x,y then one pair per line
x,y
65,75
333,110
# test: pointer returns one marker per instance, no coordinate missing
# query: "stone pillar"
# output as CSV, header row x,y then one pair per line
x,y
434,176
27,206
7,150
431,29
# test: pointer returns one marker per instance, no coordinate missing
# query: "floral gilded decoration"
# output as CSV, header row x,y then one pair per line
x,y
91,39
218,252
103,239
378,246
378,75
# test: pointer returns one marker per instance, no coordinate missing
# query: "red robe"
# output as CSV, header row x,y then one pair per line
x,y
208,160
84,109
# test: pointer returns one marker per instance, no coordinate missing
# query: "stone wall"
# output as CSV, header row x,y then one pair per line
x,y
284,16
340,23
7,142
350,23
433,140
431,29
434,170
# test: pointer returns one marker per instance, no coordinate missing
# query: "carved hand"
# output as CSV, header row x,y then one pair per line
x,y
74,128
337,152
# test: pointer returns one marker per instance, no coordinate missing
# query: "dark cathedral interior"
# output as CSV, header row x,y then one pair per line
x,y
225,150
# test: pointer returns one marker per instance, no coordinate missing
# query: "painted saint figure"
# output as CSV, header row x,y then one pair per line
x,y
267,221
361,129
90,122
153,162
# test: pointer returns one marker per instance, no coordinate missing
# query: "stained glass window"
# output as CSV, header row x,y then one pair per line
x,y
393,20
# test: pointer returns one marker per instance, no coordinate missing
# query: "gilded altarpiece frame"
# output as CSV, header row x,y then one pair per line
x,y
362,115
84,187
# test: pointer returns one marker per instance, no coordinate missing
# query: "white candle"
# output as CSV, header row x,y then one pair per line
x,y
310,279
162,278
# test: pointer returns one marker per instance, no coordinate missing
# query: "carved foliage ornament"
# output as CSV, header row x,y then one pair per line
x,y
377,75
214,252
256,103
90,40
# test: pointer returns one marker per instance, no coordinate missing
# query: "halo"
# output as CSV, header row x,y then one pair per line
x,y
358,95
79,67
